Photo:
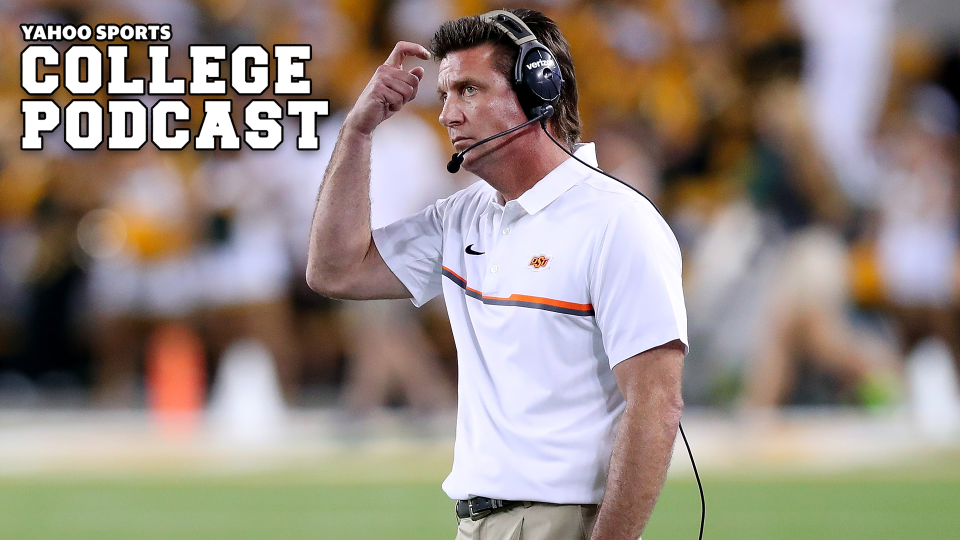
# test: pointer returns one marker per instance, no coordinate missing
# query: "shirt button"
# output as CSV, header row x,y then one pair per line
x,y
506,231
494,269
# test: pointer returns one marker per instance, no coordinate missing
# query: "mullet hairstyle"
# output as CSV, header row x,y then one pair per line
x,y
469,32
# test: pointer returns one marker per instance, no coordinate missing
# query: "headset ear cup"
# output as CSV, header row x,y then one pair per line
x,y
536,76
538,79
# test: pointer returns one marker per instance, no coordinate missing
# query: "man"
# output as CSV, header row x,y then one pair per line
x,y
563,288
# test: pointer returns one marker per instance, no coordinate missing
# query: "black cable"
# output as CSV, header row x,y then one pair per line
x,y
703,502
543,125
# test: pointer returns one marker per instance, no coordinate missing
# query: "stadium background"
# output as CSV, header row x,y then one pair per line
x,y
165,373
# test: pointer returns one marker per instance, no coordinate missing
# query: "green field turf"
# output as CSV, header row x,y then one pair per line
x,y
399,498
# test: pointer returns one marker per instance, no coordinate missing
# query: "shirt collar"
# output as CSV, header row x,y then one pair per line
x,y
559,180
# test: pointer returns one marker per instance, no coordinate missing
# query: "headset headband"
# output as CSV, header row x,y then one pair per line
x,y
510,24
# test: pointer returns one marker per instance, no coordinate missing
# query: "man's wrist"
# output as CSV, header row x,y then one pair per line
x,y
354,129
355,126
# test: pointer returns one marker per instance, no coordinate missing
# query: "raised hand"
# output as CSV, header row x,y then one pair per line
x,y
389,90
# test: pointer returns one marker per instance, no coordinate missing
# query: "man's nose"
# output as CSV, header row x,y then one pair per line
x,y
451,114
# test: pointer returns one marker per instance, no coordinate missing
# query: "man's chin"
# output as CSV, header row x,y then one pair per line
x,y
462,144
475,160
487,154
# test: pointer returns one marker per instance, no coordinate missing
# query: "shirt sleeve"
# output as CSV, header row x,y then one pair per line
x,y
413,249
635,284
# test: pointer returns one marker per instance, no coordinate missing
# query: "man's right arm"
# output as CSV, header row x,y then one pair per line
x,y
343,260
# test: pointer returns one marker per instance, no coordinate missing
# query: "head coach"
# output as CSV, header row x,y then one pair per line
x,y
562,285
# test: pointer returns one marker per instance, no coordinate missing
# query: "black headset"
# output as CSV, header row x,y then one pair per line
x,y
536,75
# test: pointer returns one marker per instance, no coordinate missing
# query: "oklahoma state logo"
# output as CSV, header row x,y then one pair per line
x,y
539,262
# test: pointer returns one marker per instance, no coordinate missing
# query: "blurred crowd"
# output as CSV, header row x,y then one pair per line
x,y
805,153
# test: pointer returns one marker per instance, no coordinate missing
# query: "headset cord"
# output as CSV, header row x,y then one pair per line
x,y
543,124
703,503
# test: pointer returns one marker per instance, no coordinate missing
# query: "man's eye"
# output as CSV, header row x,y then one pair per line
x,y
470,90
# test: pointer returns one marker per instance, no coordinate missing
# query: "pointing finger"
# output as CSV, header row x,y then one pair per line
x,y
404,49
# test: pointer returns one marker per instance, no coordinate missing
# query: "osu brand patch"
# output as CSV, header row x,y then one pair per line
x,y
539,262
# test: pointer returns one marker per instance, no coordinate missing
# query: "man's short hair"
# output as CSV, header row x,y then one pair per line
x,y
469,32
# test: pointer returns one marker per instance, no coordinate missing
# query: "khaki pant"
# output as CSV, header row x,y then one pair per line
x,y
532,521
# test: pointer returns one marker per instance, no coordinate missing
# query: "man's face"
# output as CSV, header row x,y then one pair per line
x,y
478,102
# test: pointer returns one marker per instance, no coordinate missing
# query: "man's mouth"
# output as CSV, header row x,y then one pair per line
x,y
461,142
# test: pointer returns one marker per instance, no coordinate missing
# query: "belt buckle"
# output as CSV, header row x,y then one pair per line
x,y
476,516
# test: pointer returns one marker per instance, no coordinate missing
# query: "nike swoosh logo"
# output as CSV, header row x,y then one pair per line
x,y
470,251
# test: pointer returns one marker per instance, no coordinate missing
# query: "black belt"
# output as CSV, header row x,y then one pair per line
x,y
481,507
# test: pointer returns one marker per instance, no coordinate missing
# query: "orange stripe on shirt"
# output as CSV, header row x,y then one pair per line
x,y
538,300
545,301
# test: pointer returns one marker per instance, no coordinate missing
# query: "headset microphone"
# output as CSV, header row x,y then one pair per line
x,y
543,113
454,165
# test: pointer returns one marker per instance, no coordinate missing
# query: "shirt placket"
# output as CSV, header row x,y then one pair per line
x,y
501,227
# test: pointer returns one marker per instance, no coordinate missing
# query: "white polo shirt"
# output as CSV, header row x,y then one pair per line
x,y
545,294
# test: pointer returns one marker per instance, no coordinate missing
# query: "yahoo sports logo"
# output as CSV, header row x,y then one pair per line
x,y
540,63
